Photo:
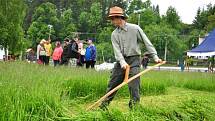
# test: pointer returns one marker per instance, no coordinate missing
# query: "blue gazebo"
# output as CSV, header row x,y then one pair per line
x,y
206,48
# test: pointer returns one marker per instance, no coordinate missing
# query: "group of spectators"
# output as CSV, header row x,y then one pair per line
x,y
69,53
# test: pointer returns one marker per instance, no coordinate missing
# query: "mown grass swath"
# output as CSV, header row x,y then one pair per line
x,y
33,92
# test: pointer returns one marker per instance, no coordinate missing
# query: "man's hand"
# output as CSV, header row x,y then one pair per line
x,y
158,60
124,66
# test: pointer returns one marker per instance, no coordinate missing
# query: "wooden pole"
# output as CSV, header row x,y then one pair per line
x,y
126,81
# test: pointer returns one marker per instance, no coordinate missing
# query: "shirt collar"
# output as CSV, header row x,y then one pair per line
x,y
125,28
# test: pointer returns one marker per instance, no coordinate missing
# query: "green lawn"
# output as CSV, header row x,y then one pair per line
x,y
33,92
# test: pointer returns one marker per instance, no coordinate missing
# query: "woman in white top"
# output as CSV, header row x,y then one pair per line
x,y
81,51
41,53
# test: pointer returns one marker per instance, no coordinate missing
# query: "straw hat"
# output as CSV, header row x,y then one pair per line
x,y
116,11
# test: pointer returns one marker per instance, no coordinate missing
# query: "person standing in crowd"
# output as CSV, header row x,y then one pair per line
x,y
81,51
48,48
30,55
125,41
41,52
145,61
64,57
90,54
56,56
73,53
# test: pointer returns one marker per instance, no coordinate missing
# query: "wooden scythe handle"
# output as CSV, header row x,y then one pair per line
x,y
126,73
126,81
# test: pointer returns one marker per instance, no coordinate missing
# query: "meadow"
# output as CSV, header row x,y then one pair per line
x,y
30,92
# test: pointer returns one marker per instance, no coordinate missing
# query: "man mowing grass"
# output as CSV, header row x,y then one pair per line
x,y
125,41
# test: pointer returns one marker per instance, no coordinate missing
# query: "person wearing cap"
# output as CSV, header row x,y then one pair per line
x,y
125,41
90,54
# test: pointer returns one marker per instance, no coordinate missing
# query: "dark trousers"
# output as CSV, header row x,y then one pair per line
x,y
42,58
80,61
64,61
47,60
90,63
145,65
56,62
117,78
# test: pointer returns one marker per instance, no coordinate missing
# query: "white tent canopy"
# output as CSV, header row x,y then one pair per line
x,y
210,54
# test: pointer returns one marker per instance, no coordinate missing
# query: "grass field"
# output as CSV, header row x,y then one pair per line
x,y
33,92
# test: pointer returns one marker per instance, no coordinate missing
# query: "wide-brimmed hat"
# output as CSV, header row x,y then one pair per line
x,y
116,11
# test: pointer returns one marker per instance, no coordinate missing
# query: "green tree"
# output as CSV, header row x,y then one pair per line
x,y
104,45
67,24
200,20
193,38
204,19
44,15
90,21
105,34
83,22
162,35
138,5
95,17
172,18
105,51
120,3
12,13
211,23
149,15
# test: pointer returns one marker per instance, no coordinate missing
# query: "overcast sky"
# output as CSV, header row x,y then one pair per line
x,y
186,9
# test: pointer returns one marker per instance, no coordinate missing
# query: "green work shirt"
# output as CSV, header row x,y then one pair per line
x,y
126,41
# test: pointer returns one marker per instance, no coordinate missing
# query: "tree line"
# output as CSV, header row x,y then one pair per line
x,y
24,23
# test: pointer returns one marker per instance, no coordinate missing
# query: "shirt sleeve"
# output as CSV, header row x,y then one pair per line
x,y
61,52
93,48
117,52
142,36
74,47
51,50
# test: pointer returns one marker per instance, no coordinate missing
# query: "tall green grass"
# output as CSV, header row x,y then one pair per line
x,y
191,80
34,92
